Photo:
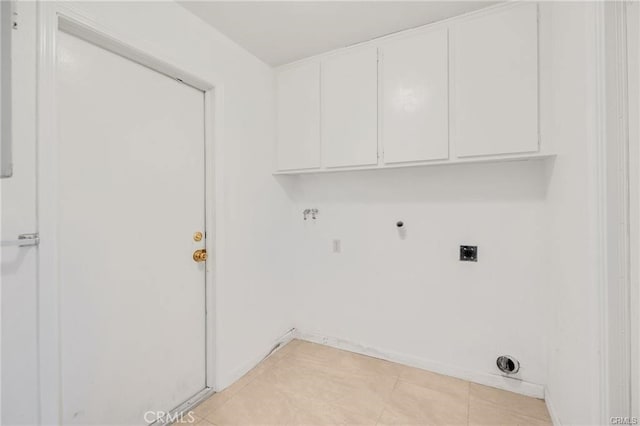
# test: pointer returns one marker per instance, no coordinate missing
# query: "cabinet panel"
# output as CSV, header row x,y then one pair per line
x,y
350,108
415,104
495,82
299,117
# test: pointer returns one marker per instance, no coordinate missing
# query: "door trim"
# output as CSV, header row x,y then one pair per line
x,y
52,18
618,343
632,11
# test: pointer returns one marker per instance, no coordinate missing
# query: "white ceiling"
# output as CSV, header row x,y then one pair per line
x,y
279,32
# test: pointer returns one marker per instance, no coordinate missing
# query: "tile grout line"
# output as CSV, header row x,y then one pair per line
x,y
249,381
256,375
363,372
468,402
507,407
385,406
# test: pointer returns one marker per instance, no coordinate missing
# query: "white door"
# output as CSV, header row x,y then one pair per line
x,y
131,198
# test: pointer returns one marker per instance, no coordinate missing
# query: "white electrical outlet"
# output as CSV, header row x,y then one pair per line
x,y
336,246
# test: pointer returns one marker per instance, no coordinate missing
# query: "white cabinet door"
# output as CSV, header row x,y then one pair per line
x,y
415,98
299,117
350,108
495,82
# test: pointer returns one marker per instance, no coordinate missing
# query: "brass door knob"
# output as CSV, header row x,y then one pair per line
x,y
200,255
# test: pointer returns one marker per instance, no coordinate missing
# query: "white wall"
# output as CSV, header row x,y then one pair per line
x,y
414,301
19,286
582,344
529,295
574,322
412,297
251,281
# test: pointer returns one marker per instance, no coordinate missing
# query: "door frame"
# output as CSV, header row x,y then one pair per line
x,y
618,346
618,343
633,52
52,18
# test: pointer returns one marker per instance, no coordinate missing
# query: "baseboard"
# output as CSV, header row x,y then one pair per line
x,y
244,369
181,414
494,380
551,408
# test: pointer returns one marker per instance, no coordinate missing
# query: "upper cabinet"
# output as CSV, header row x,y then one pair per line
x,y
298,123
464,90
495,82
350,108
414,92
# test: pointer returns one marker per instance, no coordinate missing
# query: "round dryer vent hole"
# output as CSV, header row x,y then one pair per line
x,y
508,364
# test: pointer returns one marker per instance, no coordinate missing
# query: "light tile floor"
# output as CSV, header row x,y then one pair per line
x,y
309,384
